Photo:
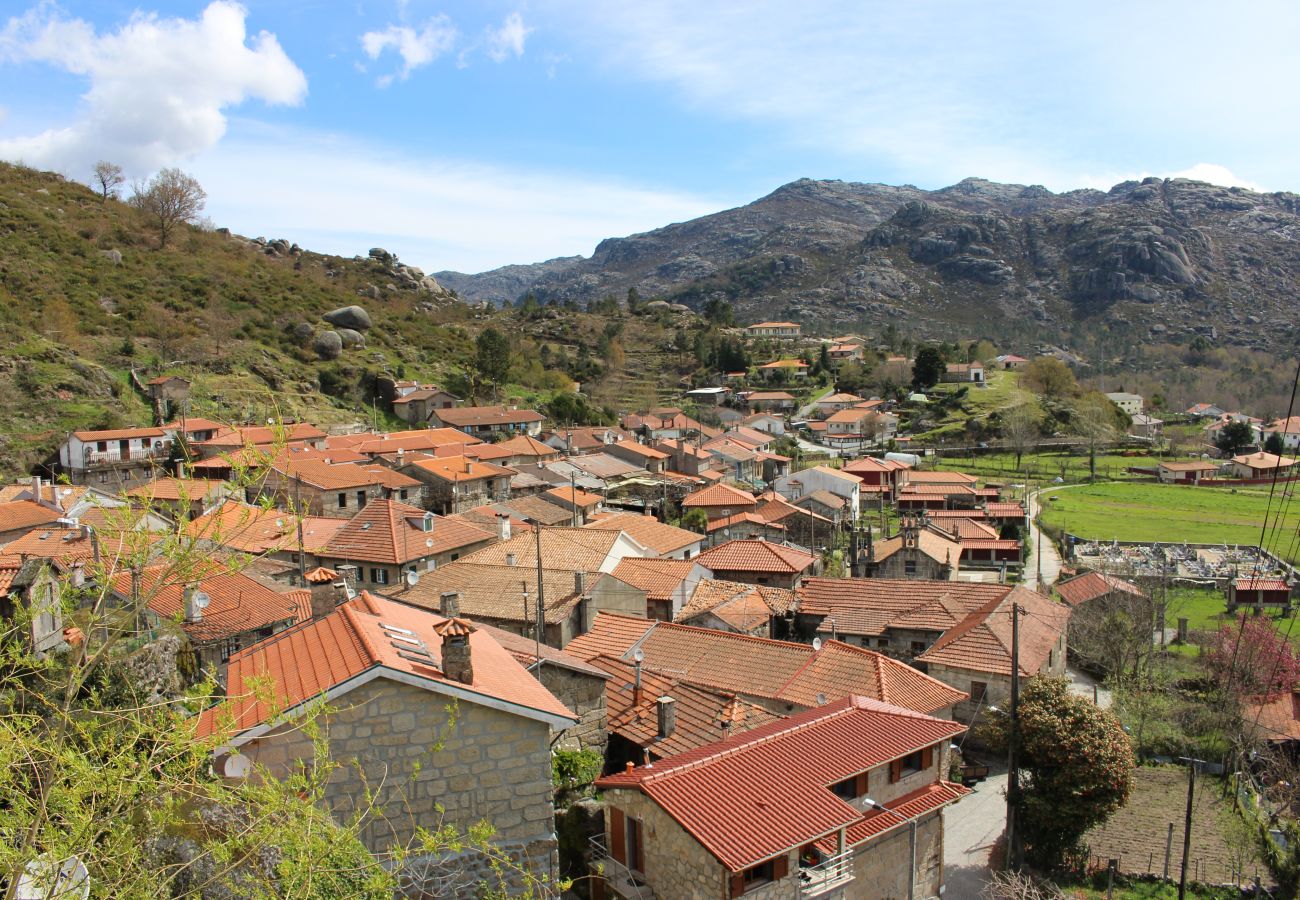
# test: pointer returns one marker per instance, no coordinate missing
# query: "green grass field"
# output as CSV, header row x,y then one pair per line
x,y
1044,467
1165,512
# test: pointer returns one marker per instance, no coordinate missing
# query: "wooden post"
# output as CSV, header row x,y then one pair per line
x,y
1187,826
1110,878
1013,771
1169,849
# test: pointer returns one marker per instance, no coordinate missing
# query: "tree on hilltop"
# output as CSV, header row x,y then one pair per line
x,y
171,198
928,368
109,177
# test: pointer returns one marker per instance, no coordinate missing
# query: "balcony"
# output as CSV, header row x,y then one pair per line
x,y
829,874
620,880
117,456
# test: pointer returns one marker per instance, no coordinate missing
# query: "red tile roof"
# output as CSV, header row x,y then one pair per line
x,y
759,667
757,556
326,475
460,468
575,497
982,641
776,779
867,606
257,529
25,514
719,495
1278,719
658,536
364,634
263,435
659,578
388,531
751,518
1093,585
1261,584
481,416
172,489
238,603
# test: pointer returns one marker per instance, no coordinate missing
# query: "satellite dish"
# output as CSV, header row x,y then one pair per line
x,y
279,523
638,654
237,765
202,599
45,879
817,643
428,542
412,578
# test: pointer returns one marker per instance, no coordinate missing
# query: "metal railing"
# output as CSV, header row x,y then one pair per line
x,y
618,877
133,454
827,875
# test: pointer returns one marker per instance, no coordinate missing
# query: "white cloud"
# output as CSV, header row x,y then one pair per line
x,y
508,40
1217,174
437,213
417,48
158,86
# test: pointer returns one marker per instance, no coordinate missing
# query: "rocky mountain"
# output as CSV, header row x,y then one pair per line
x,y
503,284
1156,259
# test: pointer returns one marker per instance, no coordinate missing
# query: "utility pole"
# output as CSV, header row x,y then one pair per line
x,y
1187,822
573,497
541,594
1013,741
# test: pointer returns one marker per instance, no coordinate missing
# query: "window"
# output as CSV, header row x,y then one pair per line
x,y
635,846
763,873
401,494
851,788
882,642
361,499
229,647
909,567
343,501
379,576
911,764
102,446
918,646
977,691
103,478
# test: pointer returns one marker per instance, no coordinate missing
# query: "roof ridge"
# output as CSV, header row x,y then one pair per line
x,y
355,623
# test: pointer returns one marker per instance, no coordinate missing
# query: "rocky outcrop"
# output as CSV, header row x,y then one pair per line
x,y
328,345
353,317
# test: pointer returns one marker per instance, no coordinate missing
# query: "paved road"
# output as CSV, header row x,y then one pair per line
x,y
971,826
1085,685
1045,555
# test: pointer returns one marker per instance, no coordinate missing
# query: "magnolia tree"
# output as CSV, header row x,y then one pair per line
x,y
1250,660
1076,767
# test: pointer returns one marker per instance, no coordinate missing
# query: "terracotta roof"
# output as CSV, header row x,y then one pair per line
x,y
69,545
163,379
238,603
1004,510
1188,466
320,575
871,464
18,514
527,651
743,606
1262,460
478,416
118,434
487,452
327,476
759,667
775,508
460,469
913,476
574,497
388,531
911,805
659,578
1261,584
966,529
362,634
719,495
867,606
68,494
840,398
823,497
191,424
533,507
407,441
939,548
776,779
172,489
391,478
574,549
1093,585
638,449
775,325
262,435
852,415
257,529
785,364
658,536
982,642
756,556
702,716
524,445
495,591
768,395
1278,719
751,518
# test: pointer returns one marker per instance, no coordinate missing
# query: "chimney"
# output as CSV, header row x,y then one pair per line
x,y
191,600
36,490
324,596
580,583
512,560
449,604
457,661
503,526
469,467
667,708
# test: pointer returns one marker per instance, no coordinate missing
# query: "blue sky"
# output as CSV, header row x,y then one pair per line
x,y
470,135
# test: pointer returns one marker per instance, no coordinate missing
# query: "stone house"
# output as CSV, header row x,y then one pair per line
x,y
963,373
388,540
915,552
975,655
454,484
181,499
582,505
37,585
221,611
786,331
419,405
744,526
270,534
719,501
262,437
393,671
822,478
318,487
760,562
483,421
685,458
842,800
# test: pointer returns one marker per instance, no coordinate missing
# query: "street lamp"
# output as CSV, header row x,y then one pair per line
x,y
911,870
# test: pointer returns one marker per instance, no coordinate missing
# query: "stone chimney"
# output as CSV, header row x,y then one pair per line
x,y
457,656
667,709
503,526
580,583
449,604
194,600
324,598
36,490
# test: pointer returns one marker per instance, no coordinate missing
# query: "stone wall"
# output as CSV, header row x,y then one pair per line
x,y
585,695
676,865
492,765
880,866
998,692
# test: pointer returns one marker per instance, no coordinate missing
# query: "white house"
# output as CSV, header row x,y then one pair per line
x,y
1287,429
115,456
821,478
1130,403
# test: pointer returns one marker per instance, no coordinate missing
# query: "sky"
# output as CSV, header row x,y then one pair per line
x,y
469,135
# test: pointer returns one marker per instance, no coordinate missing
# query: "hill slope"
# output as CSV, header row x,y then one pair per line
x,y
1157,259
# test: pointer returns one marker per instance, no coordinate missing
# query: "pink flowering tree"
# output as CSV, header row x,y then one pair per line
x,y
1250,659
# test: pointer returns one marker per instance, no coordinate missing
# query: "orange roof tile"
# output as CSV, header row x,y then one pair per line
x,y
982,641
1092,585
658,536
177,489
480,416
575,549
327,476
389,531
118,434
257,529
18,514
460,468
659,578
364,634
525,445
719,495
575,497
777,778
264,435
752,555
